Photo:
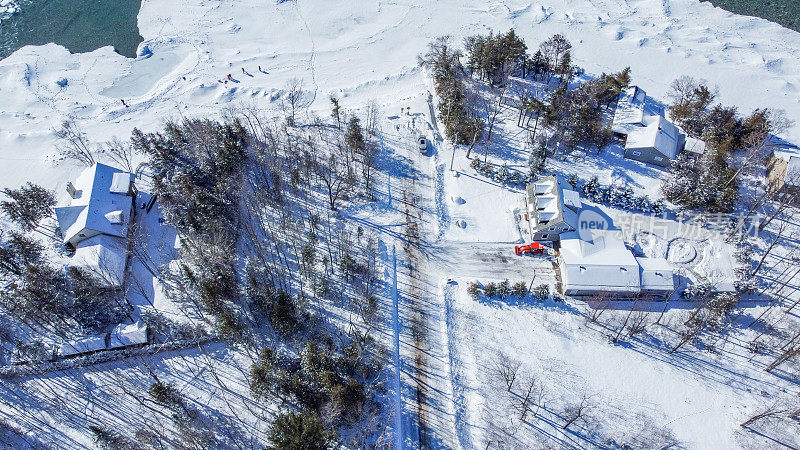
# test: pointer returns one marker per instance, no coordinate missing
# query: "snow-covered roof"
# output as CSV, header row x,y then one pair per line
x,y
656,274
104,256
83,345
604,264
694,145
121,183
630,110
124,335
97,194
571,198
658,134
546,200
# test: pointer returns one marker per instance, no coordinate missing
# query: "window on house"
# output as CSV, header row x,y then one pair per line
x,y
82,235
658,158
544,236
635,153
552,228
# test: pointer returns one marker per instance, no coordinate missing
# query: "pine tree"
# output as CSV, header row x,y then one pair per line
x,y
28,205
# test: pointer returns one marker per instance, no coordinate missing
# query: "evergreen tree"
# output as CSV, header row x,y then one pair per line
x,y
299,431
28,205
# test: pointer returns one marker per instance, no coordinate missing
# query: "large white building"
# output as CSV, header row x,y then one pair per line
x,y
101,200
96,221
604,264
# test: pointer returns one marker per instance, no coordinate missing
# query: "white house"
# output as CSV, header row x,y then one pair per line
x,y
101,200
552,208
604,264
658,142
649,137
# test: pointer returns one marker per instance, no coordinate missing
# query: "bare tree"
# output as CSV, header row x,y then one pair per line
x,y
507,370
372,114
577,411
778,236
770,412
598,304
121,153
532,394
638,323
473,107
294,98
553,49
492,109
783,357
74,144
335,177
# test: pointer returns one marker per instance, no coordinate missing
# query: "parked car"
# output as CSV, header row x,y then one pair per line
x,y
423,143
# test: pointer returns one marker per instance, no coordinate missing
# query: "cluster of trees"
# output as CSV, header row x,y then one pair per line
x,y
197,168
495,57
254,201
333,388
469,112
457,108
503,174
711,181
505,289
576,116
618,196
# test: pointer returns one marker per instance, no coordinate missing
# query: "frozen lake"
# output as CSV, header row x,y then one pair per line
x,y
79,25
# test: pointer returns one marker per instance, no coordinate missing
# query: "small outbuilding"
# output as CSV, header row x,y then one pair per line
x,y
128,335
629,113
783,171
657,275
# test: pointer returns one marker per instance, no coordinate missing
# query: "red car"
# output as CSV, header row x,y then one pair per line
x,y
534,248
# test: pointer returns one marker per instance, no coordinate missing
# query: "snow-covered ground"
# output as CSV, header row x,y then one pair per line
x,y
364,50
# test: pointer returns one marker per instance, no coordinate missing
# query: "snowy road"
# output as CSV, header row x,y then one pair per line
x,y
424,266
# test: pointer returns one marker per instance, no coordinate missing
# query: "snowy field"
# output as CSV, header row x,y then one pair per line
x,y
363,50
636,391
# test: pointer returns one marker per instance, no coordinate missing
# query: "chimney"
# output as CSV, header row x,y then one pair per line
x,y
71,189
